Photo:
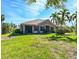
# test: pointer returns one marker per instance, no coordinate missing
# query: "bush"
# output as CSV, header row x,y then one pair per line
x,y
60,31
72,38
68,38
63,39
16,32
7,28
67,30
52,36
55,36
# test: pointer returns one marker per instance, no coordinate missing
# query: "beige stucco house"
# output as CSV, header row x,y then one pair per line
x,y
37,26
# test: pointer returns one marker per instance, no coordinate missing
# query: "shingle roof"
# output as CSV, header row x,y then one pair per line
x,y
33,22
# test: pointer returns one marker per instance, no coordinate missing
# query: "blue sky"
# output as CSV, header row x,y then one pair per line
x,y
17,11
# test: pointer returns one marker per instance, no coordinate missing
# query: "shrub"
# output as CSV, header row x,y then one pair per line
x,y
67,30
60,31
52,36
68,38
63,39
16,32
8,27
55,36
72,38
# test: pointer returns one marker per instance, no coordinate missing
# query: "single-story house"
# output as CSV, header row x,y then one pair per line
x,y
36,26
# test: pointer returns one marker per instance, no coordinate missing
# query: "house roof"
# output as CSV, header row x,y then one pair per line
x,y
37,22
33,22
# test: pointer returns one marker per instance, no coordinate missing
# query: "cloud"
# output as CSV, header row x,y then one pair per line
x,y
22,9
35,8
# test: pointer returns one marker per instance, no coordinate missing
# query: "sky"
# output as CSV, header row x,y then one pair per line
x,y
18,11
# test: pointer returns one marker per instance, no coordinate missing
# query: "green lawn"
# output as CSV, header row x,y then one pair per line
x,y
37,47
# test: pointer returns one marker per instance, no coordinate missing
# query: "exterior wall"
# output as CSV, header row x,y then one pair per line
x,y
32,29
36,31
23,29
42,31
20,27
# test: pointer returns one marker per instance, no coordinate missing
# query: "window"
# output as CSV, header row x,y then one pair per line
x,y
36,28
42,28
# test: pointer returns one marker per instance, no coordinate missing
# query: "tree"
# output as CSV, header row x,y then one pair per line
x,y
54,18
50,3
73,18
60,18
8,28
2,17
74,15
63,16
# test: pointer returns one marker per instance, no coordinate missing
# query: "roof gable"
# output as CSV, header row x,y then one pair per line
x,y
33,22
39,22
47,22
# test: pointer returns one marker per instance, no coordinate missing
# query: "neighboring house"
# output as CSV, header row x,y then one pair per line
x,y
37,26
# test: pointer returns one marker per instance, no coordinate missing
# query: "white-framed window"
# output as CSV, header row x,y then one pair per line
x,y
42,28
36,28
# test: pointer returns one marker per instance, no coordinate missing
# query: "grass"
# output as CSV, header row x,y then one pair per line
x,y
35,47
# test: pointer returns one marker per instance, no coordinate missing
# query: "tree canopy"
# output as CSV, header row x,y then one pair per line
x,y
60,17
2,17
50,3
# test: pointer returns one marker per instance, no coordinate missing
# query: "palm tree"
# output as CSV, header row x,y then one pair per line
x,y
2,17
74,19
64,16
74,15
54,18
60,18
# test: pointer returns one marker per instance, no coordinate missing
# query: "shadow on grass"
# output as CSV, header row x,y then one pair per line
x,y
72,39
63,38
51,37
20,34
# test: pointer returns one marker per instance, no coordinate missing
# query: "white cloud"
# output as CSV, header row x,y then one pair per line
x,y
35,8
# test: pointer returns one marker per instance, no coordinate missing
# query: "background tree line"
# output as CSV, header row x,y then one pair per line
x,y
6,27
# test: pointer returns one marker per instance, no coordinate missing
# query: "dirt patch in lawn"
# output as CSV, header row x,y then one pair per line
x,y
7,38
60,49
69,51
